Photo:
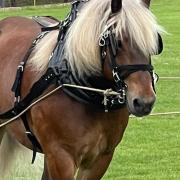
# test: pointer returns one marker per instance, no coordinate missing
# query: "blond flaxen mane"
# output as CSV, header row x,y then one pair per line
x,y
82,40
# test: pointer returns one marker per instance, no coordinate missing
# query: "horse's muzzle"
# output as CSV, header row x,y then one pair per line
x,y
141,106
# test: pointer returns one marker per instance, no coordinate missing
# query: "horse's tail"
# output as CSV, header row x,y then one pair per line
x,y
15,161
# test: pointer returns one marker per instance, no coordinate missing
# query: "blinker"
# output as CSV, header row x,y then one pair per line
x,y
160,44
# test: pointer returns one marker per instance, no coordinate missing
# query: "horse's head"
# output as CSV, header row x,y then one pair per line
x,y
128,35
127,59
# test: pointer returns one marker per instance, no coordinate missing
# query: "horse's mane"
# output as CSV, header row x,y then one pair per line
x,y
82,40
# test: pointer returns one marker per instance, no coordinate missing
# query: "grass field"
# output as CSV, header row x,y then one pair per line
x,y
150,148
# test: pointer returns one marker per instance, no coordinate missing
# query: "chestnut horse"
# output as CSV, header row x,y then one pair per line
x,y
110,42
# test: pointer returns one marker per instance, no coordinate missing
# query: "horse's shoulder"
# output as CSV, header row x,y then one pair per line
x,y
17,31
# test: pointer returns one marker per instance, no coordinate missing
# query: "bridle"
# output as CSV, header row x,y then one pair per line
x,y
108,42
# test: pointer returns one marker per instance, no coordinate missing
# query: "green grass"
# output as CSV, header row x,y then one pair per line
x,y
150,148
56,11
168,96
168,14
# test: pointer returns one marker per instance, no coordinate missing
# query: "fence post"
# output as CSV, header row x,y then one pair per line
x,y
13,3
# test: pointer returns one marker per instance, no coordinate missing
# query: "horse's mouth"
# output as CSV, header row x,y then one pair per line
x,y
140,113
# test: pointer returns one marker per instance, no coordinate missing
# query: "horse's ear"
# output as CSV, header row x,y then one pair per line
x,y
116,6
147,2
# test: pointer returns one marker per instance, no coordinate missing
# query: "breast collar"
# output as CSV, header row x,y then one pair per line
x,y
62,68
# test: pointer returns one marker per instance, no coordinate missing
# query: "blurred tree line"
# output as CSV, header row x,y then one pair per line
x,y
14,3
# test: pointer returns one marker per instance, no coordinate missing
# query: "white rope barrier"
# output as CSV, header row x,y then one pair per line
x,y
165,113
169,78
161,114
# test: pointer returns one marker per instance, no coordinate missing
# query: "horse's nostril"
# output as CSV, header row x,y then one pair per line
x,y
137,103
143,107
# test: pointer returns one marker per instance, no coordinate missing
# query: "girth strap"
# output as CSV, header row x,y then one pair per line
x,y
31,137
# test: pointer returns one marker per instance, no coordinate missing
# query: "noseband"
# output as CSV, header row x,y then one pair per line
x,y
120,72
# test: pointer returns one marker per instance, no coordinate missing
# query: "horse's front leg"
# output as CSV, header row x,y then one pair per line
x,y
97,170
60,164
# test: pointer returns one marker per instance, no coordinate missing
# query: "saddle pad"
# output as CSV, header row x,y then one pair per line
x,y
46,21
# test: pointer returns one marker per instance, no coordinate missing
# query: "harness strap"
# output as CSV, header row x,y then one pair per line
x,y
16,88
31,137
36,90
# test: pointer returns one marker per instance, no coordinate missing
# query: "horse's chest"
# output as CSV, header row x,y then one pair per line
x,y
105,143
104,139
113,128
93,149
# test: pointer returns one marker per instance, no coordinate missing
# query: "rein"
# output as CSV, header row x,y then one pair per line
x,y
105,93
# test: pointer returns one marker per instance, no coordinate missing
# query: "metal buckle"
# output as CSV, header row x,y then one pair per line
x,y
21,67
103,37
119,99
116,76
122,96
17,99
103,54
28,132
102,42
